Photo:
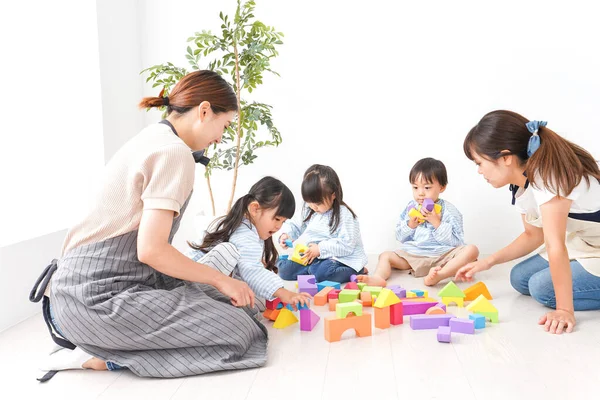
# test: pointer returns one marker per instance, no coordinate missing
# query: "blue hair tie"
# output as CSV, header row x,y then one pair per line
x,y
534,140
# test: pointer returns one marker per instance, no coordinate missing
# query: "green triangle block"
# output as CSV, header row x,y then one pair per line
x,y
451,290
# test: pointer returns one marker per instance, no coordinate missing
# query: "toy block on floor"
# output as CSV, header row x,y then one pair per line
x,y
272,304
420,299
285,319
386,298
417,293
413,308
268,314
397,314
374,290
332,304
462,325
452,294
334,294
418,322
308,320
479,320
442,306
435,311
324,284
382,317
398,291
353,278
307,284
477,289
443,334
359,301
361,286
343,309
320,298
347,296
482,306
352,286
335,327
366,298
298,255
289,243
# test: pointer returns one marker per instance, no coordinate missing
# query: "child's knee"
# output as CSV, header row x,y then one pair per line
x,y
473,251
286,272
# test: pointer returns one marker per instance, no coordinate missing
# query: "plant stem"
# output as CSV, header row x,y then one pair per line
x,y
210,191
238,126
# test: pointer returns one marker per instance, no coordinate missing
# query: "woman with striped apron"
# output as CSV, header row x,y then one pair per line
x,y
121,296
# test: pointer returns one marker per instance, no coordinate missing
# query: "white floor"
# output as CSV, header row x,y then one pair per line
x,y
514,359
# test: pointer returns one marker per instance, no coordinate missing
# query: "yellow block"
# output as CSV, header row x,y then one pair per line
x,y
458,300
299,250
285,319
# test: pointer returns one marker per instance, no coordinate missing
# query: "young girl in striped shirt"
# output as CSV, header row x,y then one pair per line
x,y
329,227
248,228
433,248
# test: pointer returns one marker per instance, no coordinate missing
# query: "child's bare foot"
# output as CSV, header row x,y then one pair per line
x,y
95,364
432,277
373,280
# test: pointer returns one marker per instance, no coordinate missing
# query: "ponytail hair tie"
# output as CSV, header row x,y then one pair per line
x,y
166,101
534,140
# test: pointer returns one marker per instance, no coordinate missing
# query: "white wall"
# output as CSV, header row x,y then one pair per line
x,y
51,147
120,65
371,87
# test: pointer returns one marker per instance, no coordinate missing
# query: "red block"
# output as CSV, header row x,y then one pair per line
x,y
397,314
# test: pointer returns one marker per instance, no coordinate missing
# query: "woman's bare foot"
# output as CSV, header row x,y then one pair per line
x,y
374,280
95,364
433,277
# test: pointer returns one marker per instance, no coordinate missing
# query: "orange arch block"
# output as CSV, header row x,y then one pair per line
x,y
334,327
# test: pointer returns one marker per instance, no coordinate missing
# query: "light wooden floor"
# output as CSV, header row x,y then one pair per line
x,y
514,359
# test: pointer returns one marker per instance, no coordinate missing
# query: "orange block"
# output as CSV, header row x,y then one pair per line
x,y
332,303
382,317
320,298
367,299
435,310
271,314
334,327
474,291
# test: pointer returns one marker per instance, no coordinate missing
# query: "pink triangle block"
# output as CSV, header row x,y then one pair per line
x,y
308,320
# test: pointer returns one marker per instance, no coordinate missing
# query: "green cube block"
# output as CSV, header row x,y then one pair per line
x,y
348,295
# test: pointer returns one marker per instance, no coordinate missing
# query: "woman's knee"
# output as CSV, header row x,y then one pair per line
x,y
519,280
542,289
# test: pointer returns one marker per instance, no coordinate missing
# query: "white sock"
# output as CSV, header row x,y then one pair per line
x,y
65,359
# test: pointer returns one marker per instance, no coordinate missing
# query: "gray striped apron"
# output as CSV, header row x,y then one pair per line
x,y
118,309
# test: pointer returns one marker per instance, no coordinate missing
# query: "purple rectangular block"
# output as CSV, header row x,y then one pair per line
x,y
443,334
462,325
416,307
401,293
441,305
307,284
308,319
429,321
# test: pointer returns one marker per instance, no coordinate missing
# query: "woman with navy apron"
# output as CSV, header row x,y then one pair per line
x,y
555,186
121,296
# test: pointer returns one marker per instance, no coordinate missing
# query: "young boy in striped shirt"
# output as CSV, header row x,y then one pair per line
x,y
432,247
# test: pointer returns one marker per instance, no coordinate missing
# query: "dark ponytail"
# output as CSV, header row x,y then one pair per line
x,y
270,193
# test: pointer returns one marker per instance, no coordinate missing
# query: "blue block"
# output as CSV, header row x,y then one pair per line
x,y
324,284
479,320
284,257
289,243
279,306
419,293
298,306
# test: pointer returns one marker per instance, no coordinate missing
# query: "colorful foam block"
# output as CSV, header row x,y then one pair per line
x,y
435,311
343,309
352,286
382,317
308,284
285,319
320,298
397,314
366,298
347,295
413,308
386,298
298,255
334,294
420,299
335,327
462,325
361,286
429,321
272,304
477,289
449,300
334,285
398,291
332,304
479,320
374,290
451,290
428,204
289,243
308,320
443,334
353,278
482,306
442,306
